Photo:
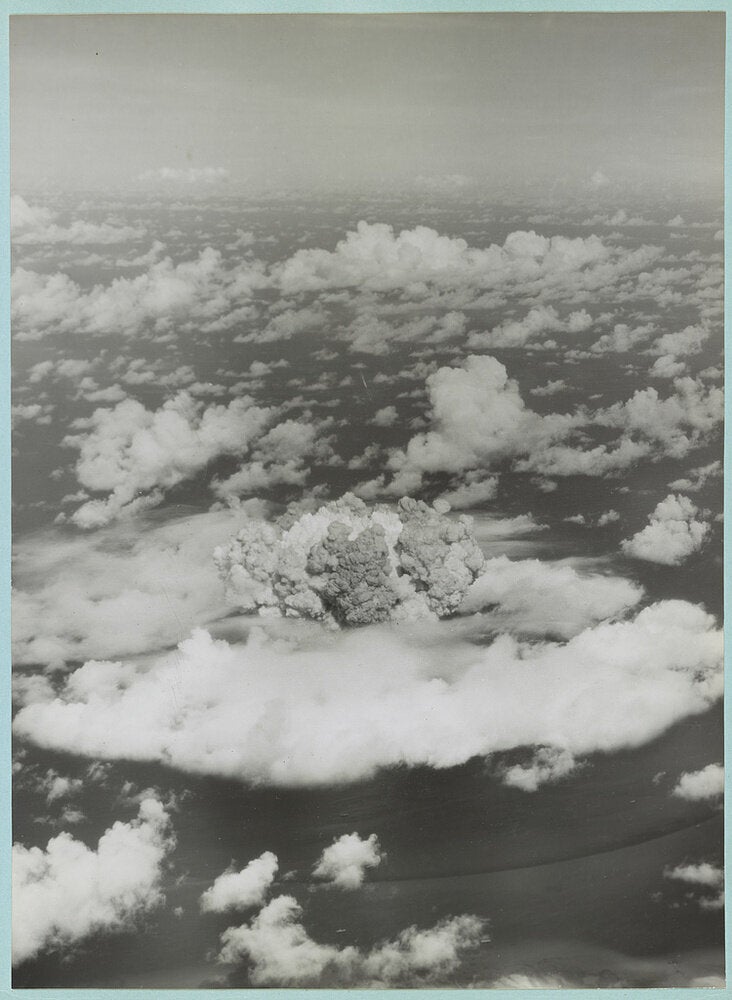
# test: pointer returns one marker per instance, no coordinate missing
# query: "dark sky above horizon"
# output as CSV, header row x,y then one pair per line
x,y
631,100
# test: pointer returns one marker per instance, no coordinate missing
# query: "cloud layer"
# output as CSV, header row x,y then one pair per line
x,y
305,712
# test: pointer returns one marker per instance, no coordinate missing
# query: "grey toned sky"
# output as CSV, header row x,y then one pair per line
x,y
335,99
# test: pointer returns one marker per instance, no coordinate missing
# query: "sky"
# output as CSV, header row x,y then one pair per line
x,y
635,100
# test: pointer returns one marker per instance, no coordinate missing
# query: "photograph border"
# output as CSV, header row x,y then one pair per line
x,y
12,8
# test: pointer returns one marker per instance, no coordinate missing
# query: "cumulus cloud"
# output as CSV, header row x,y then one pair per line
x,y
66,892
681,343
337,706
478,419
386,417
438,275
344,863
134,454
287,324
623,338
673,533
346,564
58,786
538,321
550,389
280,456
191,296
667,366
374,258
547,765
33,225
240,890
706,878
697,785
280,952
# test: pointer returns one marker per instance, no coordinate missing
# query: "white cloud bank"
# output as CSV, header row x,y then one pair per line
x,y
339,707
241,890
66,892
281,952
672,535
344,863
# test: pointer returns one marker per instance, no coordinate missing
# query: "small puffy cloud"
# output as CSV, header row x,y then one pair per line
x,y
344,863
241,890
287,324
672,535
547,765
516,333
66,892
385,417
690,340
608,517
37,413
134,454
667,366
576,519
58,786
705,784
550,389
280,952
538,321
705,878
325,707
622,339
